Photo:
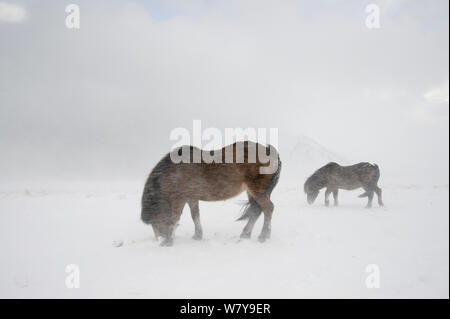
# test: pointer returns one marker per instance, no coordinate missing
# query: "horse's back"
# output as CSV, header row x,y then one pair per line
x,y
218,180
354,176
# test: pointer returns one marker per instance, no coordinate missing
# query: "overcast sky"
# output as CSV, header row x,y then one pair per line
x,y
101,101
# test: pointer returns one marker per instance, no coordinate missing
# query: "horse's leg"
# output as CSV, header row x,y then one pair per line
x,y
380,199
247,231
176,211
267,207
327,195
335,196
155,231
195,213
256,211
370,198
369,192
168,238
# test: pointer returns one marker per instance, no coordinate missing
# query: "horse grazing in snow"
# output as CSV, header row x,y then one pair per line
x,y
233,170
334,177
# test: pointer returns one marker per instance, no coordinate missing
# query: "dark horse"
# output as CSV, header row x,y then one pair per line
x,y
334,177
173,184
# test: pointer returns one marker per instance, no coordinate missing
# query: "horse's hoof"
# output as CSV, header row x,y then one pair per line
x,y
167,243
327,204
197,237
262,239
245,235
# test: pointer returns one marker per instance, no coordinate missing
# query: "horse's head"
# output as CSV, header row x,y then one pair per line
x,y
311,190
160,229
161,222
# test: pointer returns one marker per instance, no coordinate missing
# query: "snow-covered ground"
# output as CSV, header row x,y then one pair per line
x,y
103,101
314,251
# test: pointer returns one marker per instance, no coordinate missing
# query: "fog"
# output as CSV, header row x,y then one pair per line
x,y
100,102
85,114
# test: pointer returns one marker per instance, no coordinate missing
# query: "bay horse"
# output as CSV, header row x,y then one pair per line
x,y
334,177
172,184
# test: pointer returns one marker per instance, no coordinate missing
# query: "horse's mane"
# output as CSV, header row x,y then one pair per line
x,y
319,175
152,201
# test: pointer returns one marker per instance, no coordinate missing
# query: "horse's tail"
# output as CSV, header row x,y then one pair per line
x,y
273,181
365,194
251,208
377,171
375,179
